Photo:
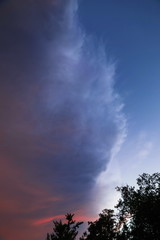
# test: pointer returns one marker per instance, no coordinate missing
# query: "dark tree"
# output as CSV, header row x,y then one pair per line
x,y
102,229
137,218
139,209
65,231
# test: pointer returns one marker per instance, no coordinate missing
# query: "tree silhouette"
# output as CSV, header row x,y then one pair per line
x,y
104,228
137,217
140,209
64,231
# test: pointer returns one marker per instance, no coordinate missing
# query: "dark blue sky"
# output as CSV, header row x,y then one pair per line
x,y
131,33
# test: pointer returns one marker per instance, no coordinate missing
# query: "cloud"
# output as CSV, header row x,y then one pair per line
x,y
61,121
144,146
145,150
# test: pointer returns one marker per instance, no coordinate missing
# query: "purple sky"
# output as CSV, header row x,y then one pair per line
x,y
77,79
61,119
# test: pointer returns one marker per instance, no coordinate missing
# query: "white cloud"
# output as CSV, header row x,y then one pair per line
x,y
144,150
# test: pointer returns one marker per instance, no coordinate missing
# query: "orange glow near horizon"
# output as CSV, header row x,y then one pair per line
x,y
46,220
82,218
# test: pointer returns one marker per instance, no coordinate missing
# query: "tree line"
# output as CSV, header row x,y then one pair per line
x,y
136,216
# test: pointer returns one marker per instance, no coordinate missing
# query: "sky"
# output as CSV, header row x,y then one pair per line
x,y
79,107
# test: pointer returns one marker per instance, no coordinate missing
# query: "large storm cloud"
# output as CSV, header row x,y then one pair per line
x,y
60,116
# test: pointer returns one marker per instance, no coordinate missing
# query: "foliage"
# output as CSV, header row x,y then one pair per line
x,y
137,218
103,228
65,231
140,208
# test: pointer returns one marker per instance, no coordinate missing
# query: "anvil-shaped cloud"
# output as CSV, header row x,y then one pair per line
x,y
60,116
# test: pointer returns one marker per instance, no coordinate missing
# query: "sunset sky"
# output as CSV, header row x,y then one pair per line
x,y
79,107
